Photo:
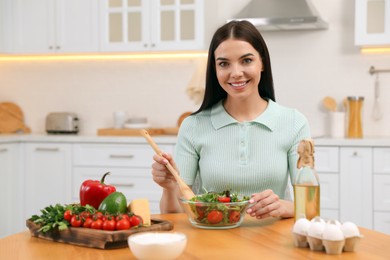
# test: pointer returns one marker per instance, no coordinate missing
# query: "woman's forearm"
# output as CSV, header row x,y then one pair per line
x,y
169,202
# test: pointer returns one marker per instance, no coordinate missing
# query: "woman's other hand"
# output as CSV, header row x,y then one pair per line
x,y
267,204
160,172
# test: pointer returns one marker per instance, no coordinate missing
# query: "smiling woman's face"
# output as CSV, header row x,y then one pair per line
x,y
238,67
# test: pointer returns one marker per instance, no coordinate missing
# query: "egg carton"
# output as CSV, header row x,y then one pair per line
x,y
331,236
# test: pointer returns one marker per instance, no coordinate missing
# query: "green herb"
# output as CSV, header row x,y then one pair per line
x,y
52,217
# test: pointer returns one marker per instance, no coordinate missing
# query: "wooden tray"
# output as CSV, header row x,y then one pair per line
x,y
96,238
136,132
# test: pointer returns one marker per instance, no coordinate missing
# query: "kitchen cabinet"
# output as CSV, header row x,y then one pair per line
x,y
356,180
129,164
11,219
372,22
48,175
381,188
327,166
151,25
55,26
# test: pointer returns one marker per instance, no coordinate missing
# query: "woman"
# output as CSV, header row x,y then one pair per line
x,y
239,139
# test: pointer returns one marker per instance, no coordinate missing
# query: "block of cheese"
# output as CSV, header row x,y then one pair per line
x,y
141,208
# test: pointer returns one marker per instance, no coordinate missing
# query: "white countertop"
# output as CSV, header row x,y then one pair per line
x,y
75,138
171,139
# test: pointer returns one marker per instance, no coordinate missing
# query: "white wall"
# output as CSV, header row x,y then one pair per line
x,y
307,66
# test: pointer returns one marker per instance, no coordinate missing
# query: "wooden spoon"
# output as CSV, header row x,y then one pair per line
x,y
185,190
330,104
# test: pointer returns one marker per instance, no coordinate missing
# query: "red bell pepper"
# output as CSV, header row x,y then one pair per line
x,y
93,192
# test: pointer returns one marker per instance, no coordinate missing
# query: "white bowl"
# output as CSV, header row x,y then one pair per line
x,y
157,245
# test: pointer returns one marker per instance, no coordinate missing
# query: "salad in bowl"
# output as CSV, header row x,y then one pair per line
x,y
216,210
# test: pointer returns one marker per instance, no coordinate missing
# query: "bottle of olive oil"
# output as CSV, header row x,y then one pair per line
x,y
306,183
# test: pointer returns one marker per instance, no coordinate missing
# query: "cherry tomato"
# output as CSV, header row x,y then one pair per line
x,y
224,199
97,224
201,211
109,224
135,221
87,222
123,224
214,217
234,216
68,215
98,215
75,221
122,216
85,214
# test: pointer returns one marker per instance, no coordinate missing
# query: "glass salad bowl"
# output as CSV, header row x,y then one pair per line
x,y
215,210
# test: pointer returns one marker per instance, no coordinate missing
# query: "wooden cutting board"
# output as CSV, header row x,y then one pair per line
x,y
136,132
96,238
11,119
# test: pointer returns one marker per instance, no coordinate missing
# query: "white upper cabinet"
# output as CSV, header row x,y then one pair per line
x,y
151,25
372,22
58,26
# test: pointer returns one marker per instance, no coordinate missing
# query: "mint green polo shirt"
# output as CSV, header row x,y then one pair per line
x,y
246,157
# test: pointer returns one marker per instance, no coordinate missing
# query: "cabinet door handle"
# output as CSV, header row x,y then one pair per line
x,y
126,185
117,156
44,149
3,150
355,154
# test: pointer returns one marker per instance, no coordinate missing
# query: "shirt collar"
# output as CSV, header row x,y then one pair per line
x,y
220,118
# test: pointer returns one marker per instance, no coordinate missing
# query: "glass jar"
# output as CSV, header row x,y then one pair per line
x,y
355,126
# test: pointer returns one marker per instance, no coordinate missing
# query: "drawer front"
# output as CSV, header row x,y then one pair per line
x,y
326,159
329,189
381,192
381,159
132,182
116,155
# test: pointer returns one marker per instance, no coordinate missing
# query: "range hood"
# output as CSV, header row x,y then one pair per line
x,y
279,15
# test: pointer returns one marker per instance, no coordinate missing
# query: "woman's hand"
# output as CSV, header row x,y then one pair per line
x,y
161,174
267,204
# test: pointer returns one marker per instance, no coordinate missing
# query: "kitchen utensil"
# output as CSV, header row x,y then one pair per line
x,y
12,119
329,103
376,111
184,188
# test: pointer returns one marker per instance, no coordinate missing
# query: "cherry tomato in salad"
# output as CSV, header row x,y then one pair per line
x,y
123,224
68,215
75,221
224,199
234,216
214,217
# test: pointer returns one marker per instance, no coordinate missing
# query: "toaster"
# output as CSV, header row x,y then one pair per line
x,y
62,123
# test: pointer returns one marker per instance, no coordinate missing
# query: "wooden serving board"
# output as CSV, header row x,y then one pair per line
x,y
136,132
96,238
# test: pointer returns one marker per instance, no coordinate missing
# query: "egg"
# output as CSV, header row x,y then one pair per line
x,y
301,226
332,232
314,234
350,229
334,221
316,228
